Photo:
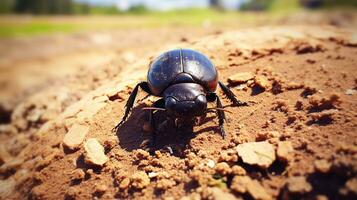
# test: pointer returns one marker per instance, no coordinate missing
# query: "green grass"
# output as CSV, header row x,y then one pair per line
x,y
278,7
27,26
34,28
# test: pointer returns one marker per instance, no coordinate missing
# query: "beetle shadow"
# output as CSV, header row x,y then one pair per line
x,y
130,134
214,128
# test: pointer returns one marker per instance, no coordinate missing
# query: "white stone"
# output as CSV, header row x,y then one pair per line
x,y
261,154
75,136
94,152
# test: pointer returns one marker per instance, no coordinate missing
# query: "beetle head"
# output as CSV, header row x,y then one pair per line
x,y
181,109
185,100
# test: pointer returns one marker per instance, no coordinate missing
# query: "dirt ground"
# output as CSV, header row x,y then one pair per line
x,y
297,139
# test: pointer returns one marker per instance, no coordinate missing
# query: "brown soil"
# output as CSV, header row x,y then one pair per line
x,y
302,93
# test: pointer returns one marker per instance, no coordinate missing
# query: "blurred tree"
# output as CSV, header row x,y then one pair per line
x,y
103,10
138,9
216,4
331,3
284,5
44,6
257,5
81,8
7,6
311,3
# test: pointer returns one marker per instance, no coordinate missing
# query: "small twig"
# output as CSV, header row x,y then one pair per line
x,y
250,113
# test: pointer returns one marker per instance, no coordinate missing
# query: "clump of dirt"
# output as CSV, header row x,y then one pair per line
x,y
296,139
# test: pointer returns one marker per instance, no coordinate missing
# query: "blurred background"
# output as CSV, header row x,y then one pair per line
x,y
43,42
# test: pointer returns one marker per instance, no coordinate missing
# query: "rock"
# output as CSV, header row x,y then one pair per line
x,y
75,136
309,90
239,184
239,78
141,154
7,129
265,135
73,109
152,174
238,170
310,61
71,193
111,142
351,185
351,40
90,110
228,156
284,151
34,115
21,176
321,197
307,47
140,180
210,163
7,187
325,115
164,184
4,155
192,196
101,188
294,85
350,91
78,174
124,184
261,154
17,144
244,184
223,168
322,166
281,105
100,99
12,165
38,192
94,152
262,82
323,103
298,185
219,194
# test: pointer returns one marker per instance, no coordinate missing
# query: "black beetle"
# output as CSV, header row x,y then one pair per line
x,y
186,80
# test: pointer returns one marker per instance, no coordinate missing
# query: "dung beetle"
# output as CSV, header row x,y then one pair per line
x,y
185,80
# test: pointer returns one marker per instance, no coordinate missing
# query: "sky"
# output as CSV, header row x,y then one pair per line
x,y
163,5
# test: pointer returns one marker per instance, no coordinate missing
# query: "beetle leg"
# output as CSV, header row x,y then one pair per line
x,y
231,96
221,116
129,104
144,86
201,119
153,128
158,104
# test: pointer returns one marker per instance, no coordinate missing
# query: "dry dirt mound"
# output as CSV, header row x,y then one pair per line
x,y
296,140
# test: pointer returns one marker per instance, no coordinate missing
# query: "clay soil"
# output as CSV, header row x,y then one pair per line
x,y
301,91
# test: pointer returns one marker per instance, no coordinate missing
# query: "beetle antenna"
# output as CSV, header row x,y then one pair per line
x,y
153,108
225,110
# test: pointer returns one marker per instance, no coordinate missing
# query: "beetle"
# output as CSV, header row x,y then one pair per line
x,y
185,80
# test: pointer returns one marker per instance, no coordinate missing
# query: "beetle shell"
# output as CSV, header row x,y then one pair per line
x,y
181,66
